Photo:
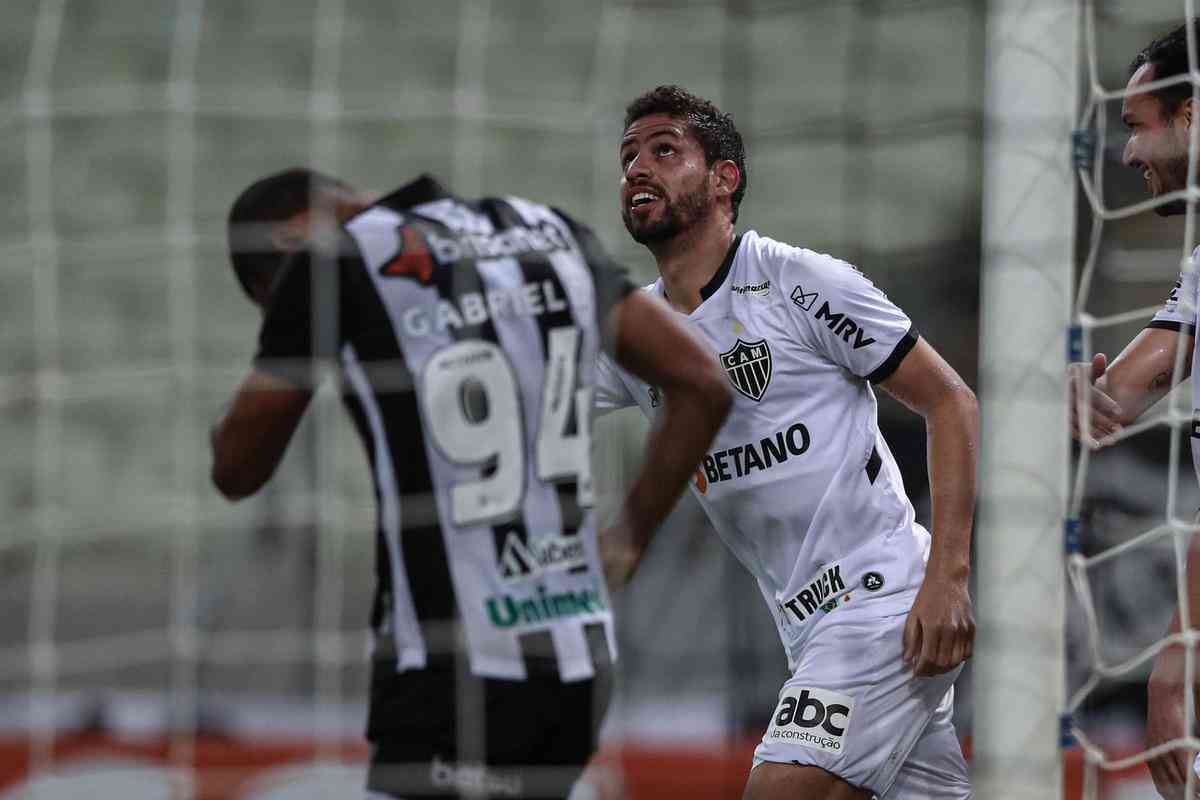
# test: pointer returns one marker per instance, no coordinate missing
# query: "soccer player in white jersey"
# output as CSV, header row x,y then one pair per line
x,y
874,615
1159,123
465,333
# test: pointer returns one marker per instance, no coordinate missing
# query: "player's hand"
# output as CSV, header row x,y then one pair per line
x,y
1164,722
619,554
1105,412
940,632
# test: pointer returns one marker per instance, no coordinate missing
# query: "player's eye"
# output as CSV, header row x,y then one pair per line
x,y
664,150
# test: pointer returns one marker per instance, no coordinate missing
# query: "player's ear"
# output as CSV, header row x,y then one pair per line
x,y
287,238
291,234
728,177
1185,112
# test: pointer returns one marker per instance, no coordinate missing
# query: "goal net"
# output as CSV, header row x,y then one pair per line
x,y
158,641
1131,509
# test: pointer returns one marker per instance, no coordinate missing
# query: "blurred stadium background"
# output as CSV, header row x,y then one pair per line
x,y
148,624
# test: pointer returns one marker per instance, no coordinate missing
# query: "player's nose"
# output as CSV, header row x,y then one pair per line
x,y
1129,157
637,167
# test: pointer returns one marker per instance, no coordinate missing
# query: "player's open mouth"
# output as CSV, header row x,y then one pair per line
x,y
642,201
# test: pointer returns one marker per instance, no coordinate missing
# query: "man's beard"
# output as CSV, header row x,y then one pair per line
x,y
676,218
1175,174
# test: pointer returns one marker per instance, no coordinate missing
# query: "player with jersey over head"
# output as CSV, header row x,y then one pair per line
x,y
875,617
1159,123
466,334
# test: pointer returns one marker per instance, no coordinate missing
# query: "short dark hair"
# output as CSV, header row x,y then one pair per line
x,y
1169,57
275,198
714,130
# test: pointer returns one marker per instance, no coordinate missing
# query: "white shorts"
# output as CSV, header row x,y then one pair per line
x,y
855,710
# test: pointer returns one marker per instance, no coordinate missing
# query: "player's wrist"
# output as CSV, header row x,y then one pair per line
x,y
948,568
1168,673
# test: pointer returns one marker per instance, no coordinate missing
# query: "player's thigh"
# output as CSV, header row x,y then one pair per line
x,y
935,768
770,781
852,707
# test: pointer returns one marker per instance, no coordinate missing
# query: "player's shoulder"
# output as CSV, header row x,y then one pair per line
x,y
789,264
343,248
533,210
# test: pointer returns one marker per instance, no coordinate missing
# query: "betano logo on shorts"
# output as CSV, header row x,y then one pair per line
x,y
474,779
507,611
812,717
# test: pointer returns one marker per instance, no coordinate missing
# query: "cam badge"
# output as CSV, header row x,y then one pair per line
x,y
748,365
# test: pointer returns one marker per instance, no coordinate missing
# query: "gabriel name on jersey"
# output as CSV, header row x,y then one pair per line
x,y
799,483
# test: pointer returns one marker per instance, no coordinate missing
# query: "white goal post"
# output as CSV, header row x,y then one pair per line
x,y
1028,234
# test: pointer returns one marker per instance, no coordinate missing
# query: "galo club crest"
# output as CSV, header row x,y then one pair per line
x,y
748,365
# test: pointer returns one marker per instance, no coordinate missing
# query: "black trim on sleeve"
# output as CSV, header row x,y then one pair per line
x,y
1168,325
890,364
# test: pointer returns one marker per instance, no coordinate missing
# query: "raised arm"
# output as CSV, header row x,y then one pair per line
x,y
651,342
250,438
940,633
253,434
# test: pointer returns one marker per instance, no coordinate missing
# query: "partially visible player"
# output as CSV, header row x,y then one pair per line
x,y
1159,123
875,616
466,334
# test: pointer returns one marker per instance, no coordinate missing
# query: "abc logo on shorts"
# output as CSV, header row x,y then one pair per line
x,y
812,718
807,711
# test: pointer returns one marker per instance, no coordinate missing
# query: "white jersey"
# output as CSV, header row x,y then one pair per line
x,y
1179,314
799,482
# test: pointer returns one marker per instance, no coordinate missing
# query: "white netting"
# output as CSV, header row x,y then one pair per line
x,y
1111,655
146,616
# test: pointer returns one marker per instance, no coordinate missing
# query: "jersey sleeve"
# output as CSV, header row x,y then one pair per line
x,y
611,278
1178,312
611,392
296,330
841,314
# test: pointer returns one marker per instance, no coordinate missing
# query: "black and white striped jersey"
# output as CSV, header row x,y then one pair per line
x,y
467,334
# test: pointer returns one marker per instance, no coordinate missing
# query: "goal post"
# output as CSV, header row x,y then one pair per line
x,y
1030,99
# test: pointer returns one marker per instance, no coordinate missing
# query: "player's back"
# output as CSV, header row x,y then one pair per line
x,y
468,338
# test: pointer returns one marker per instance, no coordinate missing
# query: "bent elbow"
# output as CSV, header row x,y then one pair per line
x,y
713,387
232,485
968,399
970,403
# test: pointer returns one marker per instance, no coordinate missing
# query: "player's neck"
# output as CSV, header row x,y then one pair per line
x,y
689,261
